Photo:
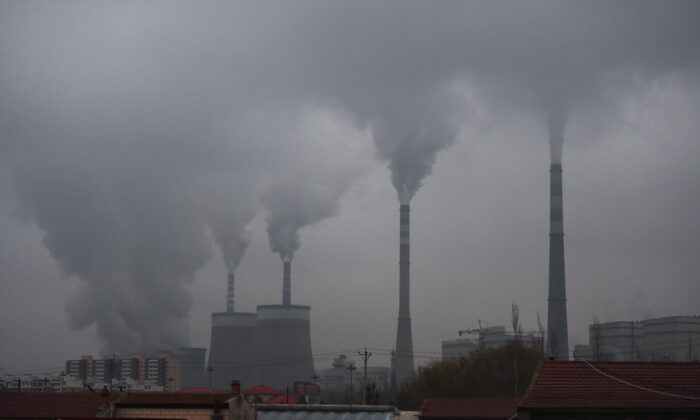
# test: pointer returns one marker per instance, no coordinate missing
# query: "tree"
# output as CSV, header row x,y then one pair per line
x,y
485,374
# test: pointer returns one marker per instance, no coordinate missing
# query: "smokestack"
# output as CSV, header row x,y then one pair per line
x,y
557,331
287,282
404,338
229,294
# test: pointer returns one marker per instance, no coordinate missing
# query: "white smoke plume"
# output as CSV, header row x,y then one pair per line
x,y
330,154
119,120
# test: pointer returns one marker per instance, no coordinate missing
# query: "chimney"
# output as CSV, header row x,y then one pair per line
x,y
557,330
404,339
287,282
229,294
235,388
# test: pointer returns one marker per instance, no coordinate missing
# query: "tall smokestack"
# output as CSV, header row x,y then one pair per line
x,y
229,294
404,338
287,283
557,331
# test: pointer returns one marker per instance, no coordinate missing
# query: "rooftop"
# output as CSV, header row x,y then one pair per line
x,y
173,399
262,390
471,408
615,385
51,404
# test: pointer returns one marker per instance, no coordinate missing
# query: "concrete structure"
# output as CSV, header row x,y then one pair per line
x,y
232,347
335,381
32,383
192,366
230,301
158,373
164,370
283,345
486,338
287,282
272,346
404,337
673,338
557,326
460,347
77,368
615,341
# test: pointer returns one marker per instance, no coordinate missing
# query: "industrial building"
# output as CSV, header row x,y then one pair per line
x,y
486,338
271,346
673,338
404,338
557,324
343,381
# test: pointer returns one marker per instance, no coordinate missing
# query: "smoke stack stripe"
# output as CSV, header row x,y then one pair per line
x,y
557,330
404,338
287,283
229,294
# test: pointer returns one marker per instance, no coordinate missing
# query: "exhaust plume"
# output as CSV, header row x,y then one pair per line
x,y
556,114
409,137
331,155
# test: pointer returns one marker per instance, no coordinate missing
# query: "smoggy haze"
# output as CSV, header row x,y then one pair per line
x,y
146,149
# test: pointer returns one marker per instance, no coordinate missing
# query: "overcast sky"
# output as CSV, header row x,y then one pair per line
x,y
146,148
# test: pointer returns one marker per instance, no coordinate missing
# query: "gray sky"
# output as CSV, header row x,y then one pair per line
x,y
146,147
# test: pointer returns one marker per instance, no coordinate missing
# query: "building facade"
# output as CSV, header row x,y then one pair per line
x,y
667,339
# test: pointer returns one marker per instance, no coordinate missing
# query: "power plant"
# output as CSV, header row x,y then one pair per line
x,y
404,338
232,339
557,330
271,347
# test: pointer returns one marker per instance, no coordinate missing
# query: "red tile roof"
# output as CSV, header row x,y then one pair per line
x,y
262,390
282,399
172,399
469,408
615,385
51,405
201,391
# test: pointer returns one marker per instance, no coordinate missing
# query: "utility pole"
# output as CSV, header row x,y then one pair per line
x,y
351,368
365,356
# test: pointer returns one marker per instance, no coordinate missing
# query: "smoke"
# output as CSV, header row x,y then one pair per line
x,y
330,155
409,135
231,208
556,113
133,131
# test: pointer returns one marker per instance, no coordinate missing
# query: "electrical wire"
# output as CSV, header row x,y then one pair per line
x,y
622,381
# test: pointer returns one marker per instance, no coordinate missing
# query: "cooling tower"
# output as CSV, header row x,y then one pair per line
x,y
557,331
192,370
404,339
283,345
231,352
